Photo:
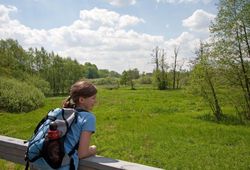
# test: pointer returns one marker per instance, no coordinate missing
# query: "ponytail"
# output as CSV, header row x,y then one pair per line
x,y
68,103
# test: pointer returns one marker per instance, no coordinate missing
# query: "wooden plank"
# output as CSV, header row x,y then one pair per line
x,y
13,150
104,163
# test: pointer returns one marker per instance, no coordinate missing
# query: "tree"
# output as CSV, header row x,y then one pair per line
x,y
124,78
160,72
231,31
91,70
114,74
176,51
14,60
103,73
128,77
203,77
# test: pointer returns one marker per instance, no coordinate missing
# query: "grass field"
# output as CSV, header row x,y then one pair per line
x,y
166,129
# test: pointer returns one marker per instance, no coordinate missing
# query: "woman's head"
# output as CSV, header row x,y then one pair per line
x,y
82,94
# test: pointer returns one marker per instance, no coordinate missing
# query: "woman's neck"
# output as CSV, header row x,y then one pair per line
x,y
81,108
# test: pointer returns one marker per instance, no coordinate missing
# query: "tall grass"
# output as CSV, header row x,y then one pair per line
x,y
166,129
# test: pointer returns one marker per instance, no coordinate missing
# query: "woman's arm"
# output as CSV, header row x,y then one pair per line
x,y
84,149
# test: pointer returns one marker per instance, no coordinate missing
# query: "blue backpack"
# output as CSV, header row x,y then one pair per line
x,y
48,139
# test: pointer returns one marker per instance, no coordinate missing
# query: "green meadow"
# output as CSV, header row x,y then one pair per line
x,y
165,129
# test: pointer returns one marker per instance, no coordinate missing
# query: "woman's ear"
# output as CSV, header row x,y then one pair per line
x,y
81,99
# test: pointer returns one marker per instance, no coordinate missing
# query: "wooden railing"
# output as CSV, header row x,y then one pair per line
x,y
12,149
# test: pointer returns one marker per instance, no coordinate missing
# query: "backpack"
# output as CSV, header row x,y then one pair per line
x,y
47,141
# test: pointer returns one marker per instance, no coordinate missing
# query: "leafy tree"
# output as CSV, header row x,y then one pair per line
x,y
160,71
231,31
124,78
128,77
204,77
103,73
14,60
91,70
114,74
145,78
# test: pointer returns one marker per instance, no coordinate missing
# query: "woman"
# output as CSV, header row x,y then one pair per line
x,y
82,98
77,141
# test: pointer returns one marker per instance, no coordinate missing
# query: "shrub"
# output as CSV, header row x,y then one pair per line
x,y
108,82
16,96
145,80
38,82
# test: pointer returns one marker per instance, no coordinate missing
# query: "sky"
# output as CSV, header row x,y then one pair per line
x,y
113,34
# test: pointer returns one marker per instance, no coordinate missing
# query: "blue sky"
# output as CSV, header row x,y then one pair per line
x,y
113,34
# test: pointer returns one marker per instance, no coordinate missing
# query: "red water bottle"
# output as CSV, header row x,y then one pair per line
x,y
53,132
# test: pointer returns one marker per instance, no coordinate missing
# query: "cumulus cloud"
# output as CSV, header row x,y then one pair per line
x,y
187,44
102,17
199,21
99,36
4,12
120,3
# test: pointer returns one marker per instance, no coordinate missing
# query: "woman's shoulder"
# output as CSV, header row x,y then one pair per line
x,y
86,114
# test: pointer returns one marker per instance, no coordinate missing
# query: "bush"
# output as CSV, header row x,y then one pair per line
x,y
108,82
145,80
16,96
38,82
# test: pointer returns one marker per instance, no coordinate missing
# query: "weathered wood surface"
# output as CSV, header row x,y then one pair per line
x,y
13,150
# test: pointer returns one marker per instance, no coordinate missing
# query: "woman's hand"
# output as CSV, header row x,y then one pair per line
x,y
92,149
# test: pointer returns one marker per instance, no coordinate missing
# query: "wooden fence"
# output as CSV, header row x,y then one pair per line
x,y
12,149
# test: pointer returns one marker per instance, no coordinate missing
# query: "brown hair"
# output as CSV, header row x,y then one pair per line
x,y
79,89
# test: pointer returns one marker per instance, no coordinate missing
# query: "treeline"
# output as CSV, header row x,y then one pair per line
x,y
49,72
27,76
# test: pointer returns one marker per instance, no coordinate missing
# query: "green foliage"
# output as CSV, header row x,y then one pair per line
x,y
145,79
160,71
114,74
103,73
13,58
129,76
108,83
49,72
160,79
91,71
204,75
231,34
16,96
36,81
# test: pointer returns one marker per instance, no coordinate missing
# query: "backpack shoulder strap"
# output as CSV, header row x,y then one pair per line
x,y
43,120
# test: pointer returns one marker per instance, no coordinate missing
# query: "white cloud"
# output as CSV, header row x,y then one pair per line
x,y
4,12
187,44
98,36
199,21
102,17
120,3
127,20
